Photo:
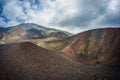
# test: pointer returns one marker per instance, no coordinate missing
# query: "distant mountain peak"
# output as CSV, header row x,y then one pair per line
x,y
28,31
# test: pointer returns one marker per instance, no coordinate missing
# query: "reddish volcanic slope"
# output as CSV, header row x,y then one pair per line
x,y
90,47
95,46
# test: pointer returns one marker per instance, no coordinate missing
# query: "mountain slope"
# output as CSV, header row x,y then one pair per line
x,y
1,35
2,31
27,61
28,31
90,47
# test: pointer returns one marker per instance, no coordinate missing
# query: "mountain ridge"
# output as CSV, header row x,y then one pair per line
x,y
28,31
90,46
90,55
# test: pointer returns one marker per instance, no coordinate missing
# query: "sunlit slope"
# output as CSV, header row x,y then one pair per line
x,y
29,31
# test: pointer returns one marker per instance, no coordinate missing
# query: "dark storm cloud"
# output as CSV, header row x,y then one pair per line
x,y
112,15
89,11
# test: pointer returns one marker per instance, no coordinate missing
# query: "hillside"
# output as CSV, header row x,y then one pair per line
x,y
27,61
27,31
1,32
1,35
98,46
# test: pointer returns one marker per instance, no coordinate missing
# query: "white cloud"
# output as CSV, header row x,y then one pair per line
x,y
12,10
2,23
70,29
12,23
113,5
70,15
26,5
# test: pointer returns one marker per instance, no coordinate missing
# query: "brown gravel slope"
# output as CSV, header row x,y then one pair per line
x,y
27,61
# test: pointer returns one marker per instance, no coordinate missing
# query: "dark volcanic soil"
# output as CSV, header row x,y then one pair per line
x,y
26,61
0,35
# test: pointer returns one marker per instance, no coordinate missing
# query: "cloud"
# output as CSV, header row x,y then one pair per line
x,y
86,11
95,14
12,10
2,23
70,15
112,17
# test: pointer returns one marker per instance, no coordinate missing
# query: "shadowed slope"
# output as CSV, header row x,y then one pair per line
x,y
1,35
2,31
26,61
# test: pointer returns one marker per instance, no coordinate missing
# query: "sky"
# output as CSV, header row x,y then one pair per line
x,y
69,15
